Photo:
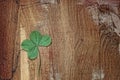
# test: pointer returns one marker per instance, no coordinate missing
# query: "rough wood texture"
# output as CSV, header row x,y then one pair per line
x,y
8,30
83,47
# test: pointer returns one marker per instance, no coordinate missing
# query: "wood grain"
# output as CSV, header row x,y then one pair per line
x,y
80,50
24,66
8,25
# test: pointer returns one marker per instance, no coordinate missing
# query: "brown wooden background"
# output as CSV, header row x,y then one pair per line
x,y
80,50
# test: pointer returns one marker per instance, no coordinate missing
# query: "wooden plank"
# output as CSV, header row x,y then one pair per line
x,y
82,48
8,28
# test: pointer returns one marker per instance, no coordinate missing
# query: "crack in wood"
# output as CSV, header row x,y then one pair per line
x,y
50,1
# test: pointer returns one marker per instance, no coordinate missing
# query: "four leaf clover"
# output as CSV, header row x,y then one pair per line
x,y
31,46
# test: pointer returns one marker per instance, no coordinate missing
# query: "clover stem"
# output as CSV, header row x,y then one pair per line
x,y
39,64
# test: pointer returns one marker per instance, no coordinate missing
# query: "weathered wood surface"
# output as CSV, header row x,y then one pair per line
x,y
9,36
82,48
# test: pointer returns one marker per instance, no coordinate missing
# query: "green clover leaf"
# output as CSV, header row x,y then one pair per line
x,y
36,40
35,36
27,45
45,41
33,53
